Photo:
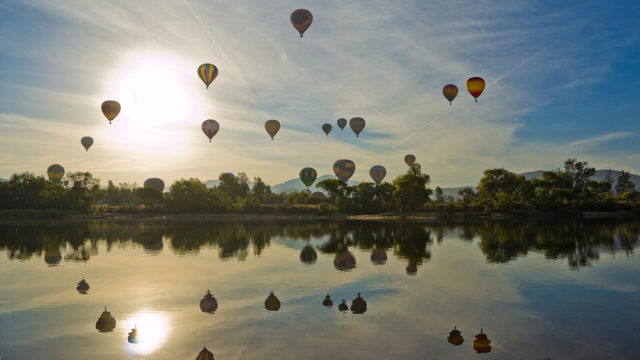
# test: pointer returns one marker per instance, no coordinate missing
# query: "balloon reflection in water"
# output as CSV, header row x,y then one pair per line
x,y
358,305
208,303
343,306
149,331
454,337
272,303
327,301
205,355
482,344
83,286
106,322
379,256
308,255
344,261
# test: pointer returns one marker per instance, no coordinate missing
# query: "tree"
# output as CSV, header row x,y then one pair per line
x,y
411,190
624,183
580,174
554,190
237,187
150,196
502,190
439,195
467,196
189,196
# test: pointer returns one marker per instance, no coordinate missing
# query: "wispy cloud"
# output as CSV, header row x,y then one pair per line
x,y
597,140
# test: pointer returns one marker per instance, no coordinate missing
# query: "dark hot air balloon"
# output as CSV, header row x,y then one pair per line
x,y
55,173
208,303
110,109
342,122
106,322
301,20
410,159
83,286
344,169
357,124
86,142
327,301
450,92
272,303
454,337
326,127
205,355
210,128
272,127
377,173
207,73
155,183
308,176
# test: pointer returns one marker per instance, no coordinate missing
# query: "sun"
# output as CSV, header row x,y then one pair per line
x,y
152,331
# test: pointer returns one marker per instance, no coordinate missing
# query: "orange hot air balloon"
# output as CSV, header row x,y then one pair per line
x,y
110,109
450,92
482,344
301,19
475,86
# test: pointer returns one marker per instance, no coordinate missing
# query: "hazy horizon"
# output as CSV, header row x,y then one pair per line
x,y
562,82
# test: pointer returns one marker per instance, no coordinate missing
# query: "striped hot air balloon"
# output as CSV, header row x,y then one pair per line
x,y
207,73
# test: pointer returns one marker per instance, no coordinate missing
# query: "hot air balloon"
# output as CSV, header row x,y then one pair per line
x,y
308,176
482,344
326,127
377,173
155,183
83,286
272,127
327,301
356,124
410,159
343,306
344,169
450,92
475,86
308,255
301,20
55,173
454,337
358,305
210,128
86,141
133,336
208,303
106,322
342,122
416,168
207,73
110,109
272,303
205,355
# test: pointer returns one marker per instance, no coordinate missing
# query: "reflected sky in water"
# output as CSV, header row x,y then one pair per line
x,y
559,290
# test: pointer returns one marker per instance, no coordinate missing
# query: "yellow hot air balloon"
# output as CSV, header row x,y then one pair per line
x,y
110,109
475,86
301,20
272,127
55,173
207,73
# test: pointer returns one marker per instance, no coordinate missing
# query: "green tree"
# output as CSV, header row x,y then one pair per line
x,y
439,194
502,190
411,190
580,173
624,183
189,196
554,190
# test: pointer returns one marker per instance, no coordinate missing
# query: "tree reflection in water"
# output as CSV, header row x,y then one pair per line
x,y
580,242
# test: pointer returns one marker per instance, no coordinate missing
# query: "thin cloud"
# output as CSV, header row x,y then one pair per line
x,y
597,140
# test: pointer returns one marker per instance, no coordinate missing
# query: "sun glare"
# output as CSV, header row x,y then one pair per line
x,y
152,330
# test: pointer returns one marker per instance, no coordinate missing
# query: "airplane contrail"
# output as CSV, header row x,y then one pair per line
x,y
491,83
215,43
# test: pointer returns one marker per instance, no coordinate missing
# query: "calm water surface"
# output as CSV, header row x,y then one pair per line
x,y
559,290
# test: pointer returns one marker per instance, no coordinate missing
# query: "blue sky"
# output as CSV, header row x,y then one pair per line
x,y
563,81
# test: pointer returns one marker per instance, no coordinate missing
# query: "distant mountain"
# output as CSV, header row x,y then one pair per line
x,y
295,185
453,191
211,183
3,180
601,175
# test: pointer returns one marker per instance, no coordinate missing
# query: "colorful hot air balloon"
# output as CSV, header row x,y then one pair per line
x,y
410,159
356,124
207,73
110,109
326,127
308,176
272,127
133,336
475,86
416,167
155,183
86,141
301,20
210,128
342,122
344,169
205,355
55,173
450,92
377,173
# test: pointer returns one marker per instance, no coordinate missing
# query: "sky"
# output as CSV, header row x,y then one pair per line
x,y
563,80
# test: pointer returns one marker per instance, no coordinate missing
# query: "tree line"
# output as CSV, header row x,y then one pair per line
x,y
499,190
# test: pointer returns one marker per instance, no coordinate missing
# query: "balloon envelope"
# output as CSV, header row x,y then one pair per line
x,y
210,128
450,92
356,124
410,159
301,20
342,122
327,128
475,86
55,173
308,176
110,109
416,167
272,127
155,183
344,169
377,173
207,73
86,141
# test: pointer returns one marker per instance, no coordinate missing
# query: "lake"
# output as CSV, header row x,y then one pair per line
x,y
535,289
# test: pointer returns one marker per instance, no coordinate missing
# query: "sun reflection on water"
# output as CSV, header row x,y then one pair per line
x,y
152,330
